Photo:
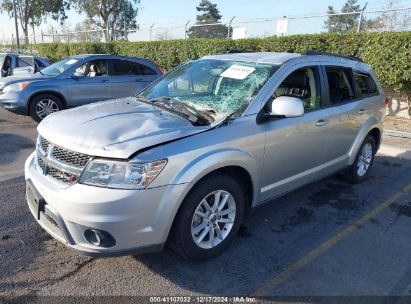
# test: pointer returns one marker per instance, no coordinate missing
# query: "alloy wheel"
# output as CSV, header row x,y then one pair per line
x,y
45,107
364,160
213,219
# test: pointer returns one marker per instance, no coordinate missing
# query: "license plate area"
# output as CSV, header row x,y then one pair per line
x,y
35,199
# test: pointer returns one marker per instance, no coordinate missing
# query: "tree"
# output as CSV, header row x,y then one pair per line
x,y
343,23
126,21
208,23
394,20
87,31
109,13
33,12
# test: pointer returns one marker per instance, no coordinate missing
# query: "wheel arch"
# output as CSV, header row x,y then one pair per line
x,y
371,127
50,92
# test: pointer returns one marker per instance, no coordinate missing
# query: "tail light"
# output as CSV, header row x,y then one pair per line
x,y
162,70
387,100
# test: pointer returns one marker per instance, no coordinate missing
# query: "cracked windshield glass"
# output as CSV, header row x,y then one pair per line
x,y
217,88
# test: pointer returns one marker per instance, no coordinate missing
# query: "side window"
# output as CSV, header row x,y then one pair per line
x,y
339,85
39,63
94,68
365,85
304,84
124,67
24,61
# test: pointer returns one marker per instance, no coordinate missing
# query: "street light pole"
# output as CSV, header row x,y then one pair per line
x,y
17,28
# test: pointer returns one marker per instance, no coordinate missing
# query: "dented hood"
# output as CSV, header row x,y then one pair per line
x,y
116,128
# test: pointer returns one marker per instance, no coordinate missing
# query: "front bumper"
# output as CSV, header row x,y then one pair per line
x,y
138,220
15,102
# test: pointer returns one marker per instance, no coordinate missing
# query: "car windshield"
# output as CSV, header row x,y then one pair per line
x,y
217,88
59,67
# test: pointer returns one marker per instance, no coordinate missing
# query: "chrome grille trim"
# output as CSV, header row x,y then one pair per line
x,y
61,165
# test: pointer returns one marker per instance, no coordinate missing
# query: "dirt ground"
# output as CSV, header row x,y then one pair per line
x,y
397,124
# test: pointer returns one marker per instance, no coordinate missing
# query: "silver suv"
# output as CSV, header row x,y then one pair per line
x,y
183,161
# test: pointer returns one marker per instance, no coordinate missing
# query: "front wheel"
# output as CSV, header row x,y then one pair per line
x,y
208,219
43,105
359,170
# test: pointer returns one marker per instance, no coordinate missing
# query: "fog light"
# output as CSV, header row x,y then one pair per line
x,y
99,238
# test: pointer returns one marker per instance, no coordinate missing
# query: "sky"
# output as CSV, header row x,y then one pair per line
x,y
164,12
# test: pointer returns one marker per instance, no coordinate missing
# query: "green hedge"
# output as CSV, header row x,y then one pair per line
x,y
388,53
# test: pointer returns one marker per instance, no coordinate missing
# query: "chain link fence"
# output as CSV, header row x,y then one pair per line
x,y
391,19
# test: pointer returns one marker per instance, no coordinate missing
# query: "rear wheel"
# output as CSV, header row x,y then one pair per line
x,y
359,170
43,105
208,219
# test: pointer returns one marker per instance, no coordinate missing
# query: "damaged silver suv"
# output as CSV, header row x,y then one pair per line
x,y
183,161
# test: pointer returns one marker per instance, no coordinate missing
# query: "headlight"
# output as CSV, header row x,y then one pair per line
x,y
121,175
15,87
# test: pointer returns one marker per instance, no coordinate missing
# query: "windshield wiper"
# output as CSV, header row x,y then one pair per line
x,y
180,108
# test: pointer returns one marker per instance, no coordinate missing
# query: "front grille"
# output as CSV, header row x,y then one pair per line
x,y
43,144
62,176
60,164
71,158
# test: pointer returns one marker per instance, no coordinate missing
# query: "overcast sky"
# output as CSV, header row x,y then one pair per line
x,y
162,12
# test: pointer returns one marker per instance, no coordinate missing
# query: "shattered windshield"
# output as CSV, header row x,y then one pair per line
x,y
217,88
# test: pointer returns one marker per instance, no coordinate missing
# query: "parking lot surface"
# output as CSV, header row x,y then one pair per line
x,y
329,238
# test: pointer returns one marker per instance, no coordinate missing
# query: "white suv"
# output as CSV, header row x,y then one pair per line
x,y
181,162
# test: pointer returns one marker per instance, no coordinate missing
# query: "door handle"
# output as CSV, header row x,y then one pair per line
x,y
362,111
322,122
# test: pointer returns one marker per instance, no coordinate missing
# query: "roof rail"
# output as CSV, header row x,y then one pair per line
x,y
233,51
318,53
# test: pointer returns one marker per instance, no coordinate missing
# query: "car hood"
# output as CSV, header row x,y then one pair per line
x,y
116,128
26,77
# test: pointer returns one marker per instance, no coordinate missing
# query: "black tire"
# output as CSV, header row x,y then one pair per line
x,y
181,239
352,175
35,102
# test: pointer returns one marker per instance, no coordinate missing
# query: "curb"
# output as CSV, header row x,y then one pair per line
x,y
397,133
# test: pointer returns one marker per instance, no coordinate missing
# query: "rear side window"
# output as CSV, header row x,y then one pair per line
x,y
365,85
124,67
22,62
339,85
39,63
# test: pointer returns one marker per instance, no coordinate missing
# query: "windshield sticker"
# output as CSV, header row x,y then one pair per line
x,y
71,61
239,72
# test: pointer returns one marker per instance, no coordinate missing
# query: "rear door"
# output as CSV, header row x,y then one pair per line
x,y
130,77
92,86
347,114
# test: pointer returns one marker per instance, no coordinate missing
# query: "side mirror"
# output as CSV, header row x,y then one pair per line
x,y
283,107
77,75
287,107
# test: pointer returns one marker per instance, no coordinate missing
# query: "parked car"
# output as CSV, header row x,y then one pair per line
x,y
183,161
16,64
75,81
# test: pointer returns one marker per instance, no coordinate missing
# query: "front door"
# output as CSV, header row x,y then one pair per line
x,y
92,85
295,147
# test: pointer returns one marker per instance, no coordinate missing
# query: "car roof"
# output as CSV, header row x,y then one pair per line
x,y
281,58
108,56
257,57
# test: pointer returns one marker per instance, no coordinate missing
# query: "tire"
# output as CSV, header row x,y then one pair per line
x,y
46,102
355,174
224,227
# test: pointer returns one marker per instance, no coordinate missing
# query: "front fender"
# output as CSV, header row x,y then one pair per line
x,y
370,124
206,163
